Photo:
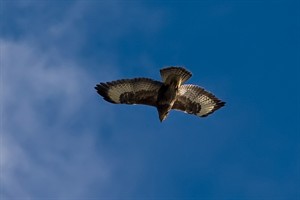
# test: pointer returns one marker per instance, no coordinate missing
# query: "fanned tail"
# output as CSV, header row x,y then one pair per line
x,y
179,72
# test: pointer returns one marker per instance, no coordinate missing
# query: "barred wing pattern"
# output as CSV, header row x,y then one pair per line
x,y
195,100
177,72
130,91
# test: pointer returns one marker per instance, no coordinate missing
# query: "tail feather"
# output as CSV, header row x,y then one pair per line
x,y
175,71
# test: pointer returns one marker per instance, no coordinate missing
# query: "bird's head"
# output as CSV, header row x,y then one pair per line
x,y
163,112
163,116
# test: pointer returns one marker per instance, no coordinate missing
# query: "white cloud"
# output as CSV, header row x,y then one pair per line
x,y
38,150
45,152
90,32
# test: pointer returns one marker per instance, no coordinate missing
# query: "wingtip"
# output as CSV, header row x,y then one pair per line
x,y
102,90
219,104
222,103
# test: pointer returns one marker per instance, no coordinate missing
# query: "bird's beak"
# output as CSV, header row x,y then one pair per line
x,y
162,117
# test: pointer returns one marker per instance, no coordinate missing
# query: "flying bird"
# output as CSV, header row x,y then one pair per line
x,y
169,94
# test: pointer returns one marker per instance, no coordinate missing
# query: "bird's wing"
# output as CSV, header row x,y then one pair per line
x,y
130,91
195,100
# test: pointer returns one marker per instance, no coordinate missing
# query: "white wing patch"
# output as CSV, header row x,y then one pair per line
x,y
117,88
198,95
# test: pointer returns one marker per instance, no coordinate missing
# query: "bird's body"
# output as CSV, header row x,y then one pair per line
x,y
173,77
172,93
165,100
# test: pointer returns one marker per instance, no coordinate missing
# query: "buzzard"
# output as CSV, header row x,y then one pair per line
x,y
169,94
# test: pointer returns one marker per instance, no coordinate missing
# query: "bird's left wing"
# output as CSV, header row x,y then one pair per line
x,y
130,91
195,100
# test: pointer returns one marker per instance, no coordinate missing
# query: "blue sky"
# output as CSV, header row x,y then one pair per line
x,y
60,140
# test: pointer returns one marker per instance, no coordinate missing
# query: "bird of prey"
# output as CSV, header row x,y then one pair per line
x,y
169,94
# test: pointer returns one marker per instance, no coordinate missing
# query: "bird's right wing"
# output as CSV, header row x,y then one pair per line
x,y
195,100
130,91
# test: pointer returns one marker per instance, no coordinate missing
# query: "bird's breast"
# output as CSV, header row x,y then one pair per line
x,y
166,94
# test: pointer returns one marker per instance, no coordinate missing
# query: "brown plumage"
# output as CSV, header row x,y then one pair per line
x,y
172,93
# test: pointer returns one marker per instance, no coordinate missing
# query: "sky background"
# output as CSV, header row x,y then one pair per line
x,y
61,141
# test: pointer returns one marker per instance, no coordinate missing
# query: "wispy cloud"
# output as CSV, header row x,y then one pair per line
x,y
40,144
49,147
